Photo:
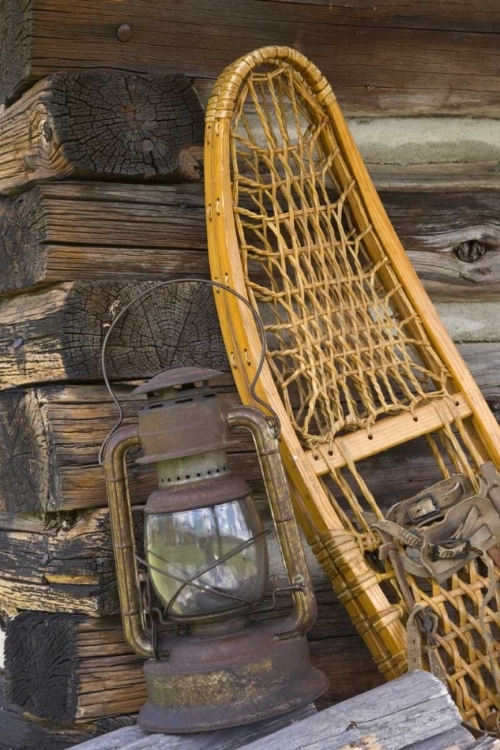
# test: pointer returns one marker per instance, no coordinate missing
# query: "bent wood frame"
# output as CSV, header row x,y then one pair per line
x,y
356,583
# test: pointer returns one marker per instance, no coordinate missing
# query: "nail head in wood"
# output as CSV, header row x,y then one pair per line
x,y
124,33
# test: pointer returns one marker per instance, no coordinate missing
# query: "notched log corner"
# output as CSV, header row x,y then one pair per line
x,y
63,328
104,124
20,731
60,231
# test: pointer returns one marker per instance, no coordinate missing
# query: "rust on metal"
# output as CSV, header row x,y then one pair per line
x,y
171,377
247,676
181,419
227,669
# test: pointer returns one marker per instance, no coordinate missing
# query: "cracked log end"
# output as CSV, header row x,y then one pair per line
x,y
117,124
103,124
24,470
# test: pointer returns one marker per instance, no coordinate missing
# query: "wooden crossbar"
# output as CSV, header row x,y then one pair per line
x,y
386,434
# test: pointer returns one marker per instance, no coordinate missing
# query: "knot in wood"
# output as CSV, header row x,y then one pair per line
x,y
470,251
30,163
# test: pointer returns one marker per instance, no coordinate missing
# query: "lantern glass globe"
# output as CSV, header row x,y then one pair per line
x,y
195,545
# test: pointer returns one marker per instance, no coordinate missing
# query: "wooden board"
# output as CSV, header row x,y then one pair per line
x,y
19,731
224,739
415,710
100,124
57,333
108,231
378,57
400,713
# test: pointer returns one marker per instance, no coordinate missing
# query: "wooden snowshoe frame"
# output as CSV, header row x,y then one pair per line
x,y
358,359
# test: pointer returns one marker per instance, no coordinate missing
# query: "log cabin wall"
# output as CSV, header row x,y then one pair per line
x,y
101,130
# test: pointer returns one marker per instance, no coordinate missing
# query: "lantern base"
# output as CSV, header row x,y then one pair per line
x,y
228,680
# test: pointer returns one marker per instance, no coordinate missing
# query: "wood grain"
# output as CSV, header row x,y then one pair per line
x,y
378,57
414,711
76,550
452,239
71,669
111,231
95,601
84,669
50,439
396,715
102,231
100,124
20,731
69,567
221,739
57,333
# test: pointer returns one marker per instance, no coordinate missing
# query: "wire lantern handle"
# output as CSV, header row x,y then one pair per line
x,y
160,285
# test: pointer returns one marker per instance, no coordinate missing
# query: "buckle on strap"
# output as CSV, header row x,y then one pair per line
x,y
451,549
423,509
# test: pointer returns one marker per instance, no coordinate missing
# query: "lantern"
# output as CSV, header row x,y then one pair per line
x,y
205,565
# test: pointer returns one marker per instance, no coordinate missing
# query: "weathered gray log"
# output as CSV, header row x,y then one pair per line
x,y
229,739
460,177
404,712
452,238
57,333
19,731
471,321
102,231
396,715
100,124
441,46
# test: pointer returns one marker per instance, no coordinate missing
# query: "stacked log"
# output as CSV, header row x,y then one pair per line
x,y
119,141
101,196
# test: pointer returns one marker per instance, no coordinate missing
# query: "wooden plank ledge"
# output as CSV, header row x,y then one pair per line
x,y
413,709
384,435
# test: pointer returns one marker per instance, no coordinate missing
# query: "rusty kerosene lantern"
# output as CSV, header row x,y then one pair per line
x,y
206,565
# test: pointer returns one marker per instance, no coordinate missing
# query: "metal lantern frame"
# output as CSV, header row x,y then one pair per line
x,y
267,662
